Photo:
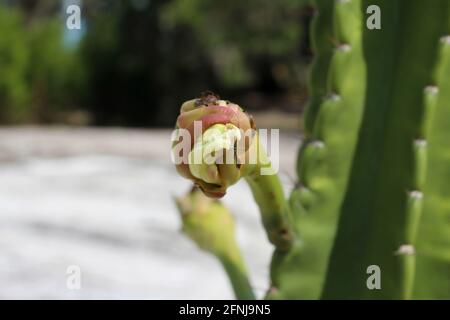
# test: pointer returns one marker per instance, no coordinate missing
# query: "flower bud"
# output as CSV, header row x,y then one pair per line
x,y
216,156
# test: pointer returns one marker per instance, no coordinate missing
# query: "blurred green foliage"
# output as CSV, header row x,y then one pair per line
x,y
14,87
39,77
56,73
138,59
240,36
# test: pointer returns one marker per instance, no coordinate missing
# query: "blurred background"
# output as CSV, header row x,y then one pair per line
x,y
85,122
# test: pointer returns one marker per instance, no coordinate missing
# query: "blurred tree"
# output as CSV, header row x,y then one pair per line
x,y
138,59
14,93
139,72
55,72
253,43
40,77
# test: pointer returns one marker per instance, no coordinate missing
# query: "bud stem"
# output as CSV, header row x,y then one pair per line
x,y
234,265
211,226
269,195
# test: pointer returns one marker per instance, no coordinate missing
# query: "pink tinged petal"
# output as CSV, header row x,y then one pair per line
x,y
185,119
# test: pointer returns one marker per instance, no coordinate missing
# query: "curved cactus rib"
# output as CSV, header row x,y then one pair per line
x,y
322,45
384,200
433,240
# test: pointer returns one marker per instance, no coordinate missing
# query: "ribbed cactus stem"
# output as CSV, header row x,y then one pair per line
x,y
432,242
322,33
375,164
414,204
332,122
392,191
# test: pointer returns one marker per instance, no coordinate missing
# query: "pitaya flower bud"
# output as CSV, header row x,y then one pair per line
x,y
217,138
224,126
222,148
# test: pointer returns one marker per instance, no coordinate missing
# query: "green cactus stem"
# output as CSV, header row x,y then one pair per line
x,y
332,122
433,232
389,181
374,167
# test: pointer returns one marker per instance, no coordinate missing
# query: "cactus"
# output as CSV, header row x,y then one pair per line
x,y
382,154
374,168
